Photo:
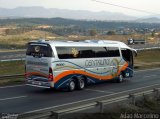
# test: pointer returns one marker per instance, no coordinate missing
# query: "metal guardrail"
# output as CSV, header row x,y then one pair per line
x,y
152,48
12,76
100,103
7,60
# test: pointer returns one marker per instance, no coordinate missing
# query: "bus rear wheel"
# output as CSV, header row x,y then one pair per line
x,y
71,85
80,84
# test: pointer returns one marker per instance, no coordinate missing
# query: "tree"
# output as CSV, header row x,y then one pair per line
x,y
153,34
111,33
93,32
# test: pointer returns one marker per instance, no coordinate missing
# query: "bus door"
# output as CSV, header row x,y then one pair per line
x,y
128,57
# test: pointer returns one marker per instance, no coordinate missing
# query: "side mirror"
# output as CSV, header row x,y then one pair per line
x,y
134,53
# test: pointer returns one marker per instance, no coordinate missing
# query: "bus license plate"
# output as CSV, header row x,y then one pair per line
x,y
36,83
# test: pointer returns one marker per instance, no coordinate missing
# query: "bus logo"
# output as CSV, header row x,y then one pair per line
x,y
37,48
74,52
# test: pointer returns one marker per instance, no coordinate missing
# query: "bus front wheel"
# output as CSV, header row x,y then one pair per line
x,y
120,78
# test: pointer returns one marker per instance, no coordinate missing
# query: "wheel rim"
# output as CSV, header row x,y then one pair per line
x,y
72,85
120,78
81,82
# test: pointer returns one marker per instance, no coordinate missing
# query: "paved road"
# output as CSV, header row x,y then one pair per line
x,y
21,98
12,55
141,46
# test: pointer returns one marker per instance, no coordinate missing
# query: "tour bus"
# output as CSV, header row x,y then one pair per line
x,y
74,65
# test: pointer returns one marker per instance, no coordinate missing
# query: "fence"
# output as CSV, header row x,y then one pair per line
x,y
12,76
99,103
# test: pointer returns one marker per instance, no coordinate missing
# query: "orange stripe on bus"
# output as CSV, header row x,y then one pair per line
x,y
123,68
66,73
57,78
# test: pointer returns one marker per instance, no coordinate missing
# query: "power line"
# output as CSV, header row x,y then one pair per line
x,y
138,10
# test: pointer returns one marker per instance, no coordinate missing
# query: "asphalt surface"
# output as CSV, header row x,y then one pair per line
x,y
141,46
12,55
22,98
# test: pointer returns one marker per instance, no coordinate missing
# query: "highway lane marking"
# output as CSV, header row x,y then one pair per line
x,y
11,98
147,70
100,91
148,76
33,111
12,86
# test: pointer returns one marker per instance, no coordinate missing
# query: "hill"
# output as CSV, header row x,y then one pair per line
x,y
41,12
149,20
61,23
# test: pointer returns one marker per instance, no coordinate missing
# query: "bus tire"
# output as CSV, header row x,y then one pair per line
x,y
80,83
71,86
120,78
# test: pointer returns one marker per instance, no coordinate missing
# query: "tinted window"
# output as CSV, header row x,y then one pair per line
x,y
75,52
39,50
86,52
101,52
64,52
113,52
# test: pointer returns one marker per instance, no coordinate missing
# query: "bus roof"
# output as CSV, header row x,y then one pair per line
x,y
86,43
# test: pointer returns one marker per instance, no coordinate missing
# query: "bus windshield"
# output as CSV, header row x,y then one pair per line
x,y
127,56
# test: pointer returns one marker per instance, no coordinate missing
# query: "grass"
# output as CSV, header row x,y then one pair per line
x,y
12,81
13,67
147,59
19,41
149,56
13,42
10,68
10,50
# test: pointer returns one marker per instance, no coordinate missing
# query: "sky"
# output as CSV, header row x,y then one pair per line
x,y
91,5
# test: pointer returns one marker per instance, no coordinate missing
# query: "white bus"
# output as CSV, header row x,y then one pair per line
x,y
73,65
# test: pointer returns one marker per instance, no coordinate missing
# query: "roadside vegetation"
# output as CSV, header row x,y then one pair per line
x,y
14,42
18,41
15,33
147,59
144,108
11,68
